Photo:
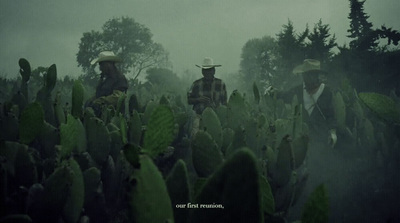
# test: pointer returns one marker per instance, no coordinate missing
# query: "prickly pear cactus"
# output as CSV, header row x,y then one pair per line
x,y
92,178
205,154
282,127
19,163
267,198
109,179
20,218
134,104
72,136
340,110
51,78
368,133
31,122
232,193
19,100
270,156
357,110
297,118
237,110
116,143
382,105
59,110
238,142
284,163
49,137
98,140
25,71
209,122
222,112
179,190
122,125
227,138
9,127
160,131
43,96
50,205
131,154
121,103
255,139
151,105
77,99
316,208
148,198
300,147
135,128
75,199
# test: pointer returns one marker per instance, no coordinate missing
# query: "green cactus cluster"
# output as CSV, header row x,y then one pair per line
x,y
65,164
279,145
382,105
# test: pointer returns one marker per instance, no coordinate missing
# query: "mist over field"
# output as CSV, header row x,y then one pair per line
x,y
47,32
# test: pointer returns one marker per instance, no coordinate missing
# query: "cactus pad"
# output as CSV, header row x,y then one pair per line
x,y
98,140
25,69
209,122
51,78
160,131
382,105
205,154
73,137
316,208
267,198
284,162
234,189
31,122
148,199
179,190
77,99
74,204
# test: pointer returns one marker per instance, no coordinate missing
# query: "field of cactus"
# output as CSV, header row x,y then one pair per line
x,y
138,163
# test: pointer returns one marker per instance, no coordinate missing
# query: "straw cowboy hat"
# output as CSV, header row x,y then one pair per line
x,y
208,63
106,56
308,65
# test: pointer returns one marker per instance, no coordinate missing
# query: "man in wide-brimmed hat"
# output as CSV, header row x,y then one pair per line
x,y
316,98
112,83
207,91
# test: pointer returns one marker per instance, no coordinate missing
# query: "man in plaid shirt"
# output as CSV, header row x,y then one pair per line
x,y
207,91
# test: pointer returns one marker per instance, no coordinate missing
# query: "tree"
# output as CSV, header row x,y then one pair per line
x,y
164,79
257,59
364,37
126,38
320,45
290,52
393,36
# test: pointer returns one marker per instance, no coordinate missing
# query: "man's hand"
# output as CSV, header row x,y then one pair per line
x,y
204,100
332,138
269,91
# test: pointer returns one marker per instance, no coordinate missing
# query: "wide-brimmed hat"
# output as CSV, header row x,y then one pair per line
x,y
208,63
106,56
308,65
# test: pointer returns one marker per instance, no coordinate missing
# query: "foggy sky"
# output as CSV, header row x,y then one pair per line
x,y
49,31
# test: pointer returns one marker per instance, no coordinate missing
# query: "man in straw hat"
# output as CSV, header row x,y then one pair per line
x,y
112,83
317,102
207,91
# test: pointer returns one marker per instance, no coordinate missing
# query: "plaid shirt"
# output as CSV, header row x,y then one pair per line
x,y
214,89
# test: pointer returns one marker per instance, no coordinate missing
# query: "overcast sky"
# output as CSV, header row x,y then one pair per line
x,y
49,31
